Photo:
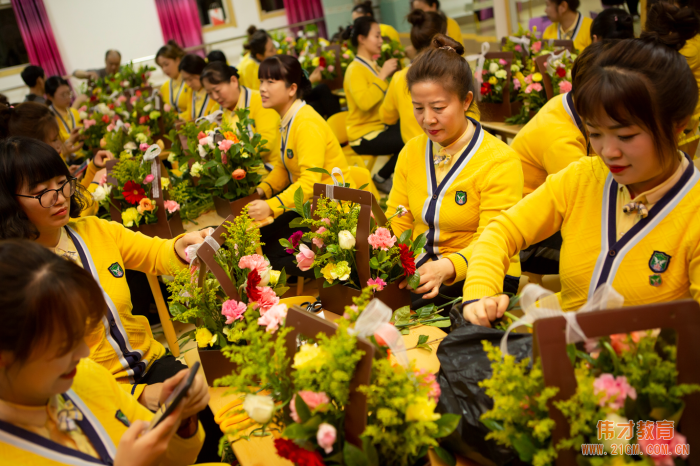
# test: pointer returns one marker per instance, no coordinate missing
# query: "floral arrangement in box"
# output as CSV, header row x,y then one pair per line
x,y
95,121
309,408
493,81
559,71
530,91
347,55
126,78
325,61
220,319
308,41
125,139
627,392
284,43
391,49
334,236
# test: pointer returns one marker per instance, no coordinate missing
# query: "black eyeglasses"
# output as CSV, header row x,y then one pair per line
x,y
49,197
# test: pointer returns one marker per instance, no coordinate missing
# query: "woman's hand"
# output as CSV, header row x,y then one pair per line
x,y
137,447
197,397
388,68
150,396
259,210
101,157
189,239
432,275
261,193
80,99
486,310
316,75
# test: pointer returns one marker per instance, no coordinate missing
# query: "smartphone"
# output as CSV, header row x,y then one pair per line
x,y
175,397
81,168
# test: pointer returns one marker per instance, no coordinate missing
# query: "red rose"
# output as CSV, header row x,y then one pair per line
x,y
111,106
133,193
143,76
285,447
561,72
143,119
322,62
105,118
93,98
485,88
138,93
407,261
251,287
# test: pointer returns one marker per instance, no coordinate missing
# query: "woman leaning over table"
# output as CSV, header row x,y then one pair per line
x,y
454,178
199,103
174,92
628,215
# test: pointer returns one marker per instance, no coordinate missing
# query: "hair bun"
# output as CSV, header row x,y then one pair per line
x,y
251,29
443,42
670,25
417,17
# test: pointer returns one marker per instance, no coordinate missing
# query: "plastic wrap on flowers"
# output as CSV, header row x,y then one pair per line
x,y
463,364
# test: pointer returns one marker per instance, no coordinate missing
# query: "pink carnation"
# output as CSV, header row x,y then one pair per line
x,y
331,68
516,84
83,109
615,390
536,87
171,206
121,98
536,46
110,127
312,399
518,48
149,178
254,262
327,221
429,380
273,317
133,100
528,79
233,310
381,239
662,460
225,145
88,123
267,299
376,282
167,107
564,86
103,180
127,125
143,147
325,437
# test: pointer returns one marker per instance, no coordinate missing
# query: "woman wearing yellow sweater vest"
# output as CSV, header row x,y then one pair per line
x,y
223,85
306,142
628,215
174,91
453,29
199,103
567,23
259,47
454,178
57,406
365,86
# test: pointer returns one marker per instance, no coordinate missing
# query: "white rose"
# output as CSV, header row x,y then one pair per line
x,y
131,145
171,157
147,108
617,437
556,63
514,68
196,169
493,67
103,108
82,115
205,141
501,74
259,407
568,75
346,240
265,276
141,138
202,151
99,195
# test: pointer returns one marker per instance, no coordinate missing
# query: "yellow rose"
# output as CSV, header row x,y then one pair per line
x,y
130,216
422,410
537,77
493,80
309,356
274,277
164,182
204,337
316,61
327,272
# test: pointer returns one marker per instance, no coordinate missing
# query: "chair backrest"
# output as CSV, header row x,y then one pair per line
x,y
362,177
337,124
541,22
681,316
541,63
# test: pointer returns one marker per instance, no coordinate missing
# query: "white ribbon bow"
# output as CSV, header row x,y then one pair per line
x,y
480,58
554,57
212,118
539,303
151,154
524,41
192,249
374,320
336,182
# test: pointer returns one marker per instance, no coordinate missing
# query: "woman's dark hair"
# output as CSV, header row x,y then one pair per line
x,y
218,72
4,100
671,25
46,300
434,3
216,55
288,69
170,50
53,83
425,26
27,162
640,82
364,8
573,4
257,41
360,27
28,119
613,24
442,63
192,64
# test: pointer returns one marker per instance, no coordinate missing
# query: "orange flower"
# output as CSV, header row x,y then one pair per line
x,y
238,174
145,205
231,136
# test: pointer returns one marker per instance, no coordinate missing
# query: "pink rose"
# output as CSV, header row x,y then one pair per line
x,y
662,460
233,310
83,109
318,242
564,86
326,437
127,125
305,258
149,178
167,107
346,56
225,145
615,390
88,123
381,239
312,399
621,341
502,62
267,299
121,98
143,147
171,206
103,180
110,127
537,87
528,89
331,68
273,317
528,79
537,46
376,282
518,48
516,84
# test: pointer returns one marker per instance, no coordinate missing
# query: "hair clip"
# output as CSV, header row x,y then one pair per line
x,y
447,47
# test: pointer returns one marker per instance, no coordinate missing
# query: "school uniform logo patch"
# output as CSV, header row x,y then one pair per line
x,y
121,417
659,262
116,270
461,197
290,154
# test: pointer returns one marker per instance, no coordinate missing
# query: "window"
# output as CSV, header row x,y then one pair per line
x,y
12,49
270,8
215,14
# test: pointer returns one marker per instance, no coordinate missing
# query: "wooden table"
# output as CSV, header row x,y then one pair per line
x,y
211,219
501,129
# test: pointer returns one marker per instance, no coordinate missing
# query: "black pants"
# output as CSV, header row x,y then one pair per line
x,y
388,142
160,371
510,285
542,258
323,101
279,258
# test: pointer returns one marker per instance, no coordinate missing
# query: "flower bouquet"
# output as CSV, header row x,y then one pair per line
x,y
323,415
105,89
352,250
228,291
391,49
531,94
284,43
95,121
556,69
497,90
347,55
325,59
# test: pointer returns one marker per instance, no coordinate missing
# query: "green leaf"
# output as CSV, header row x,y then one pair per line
x,y
445,456
317,272
370,451
328,285
363,186
405,236
281,290
422,339
282,281
401,315
440,323
571,352
296,223
414,281
447,424
419,242
285,242
302,409
313,422
299,201
425,311
333,248
298,431
222,180
307,209
318,170
374,263
176,309
353,456
490,424
405,331
524,446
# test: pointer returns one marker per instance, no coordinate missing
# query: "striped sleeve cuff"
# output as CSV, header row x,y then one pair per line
x,y
460,264
267,189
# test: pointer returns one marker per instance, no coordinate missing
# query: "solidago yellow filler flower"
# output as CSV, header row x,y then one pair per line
x,y
309,356
130,216
204,337
537,77
422,409
274,277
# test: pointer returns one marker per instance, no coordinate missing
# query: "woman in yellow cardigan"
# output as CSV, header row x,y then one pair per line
x,y
306,142
453,179
174,91
628,215
366,9
365,86
453,29
199,103
68,118
259,47
567,23
57,406
223,85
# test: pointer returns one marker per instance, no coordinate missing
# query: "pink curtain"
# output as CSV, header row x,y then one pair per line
x,y
35,27
304,10
179,21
